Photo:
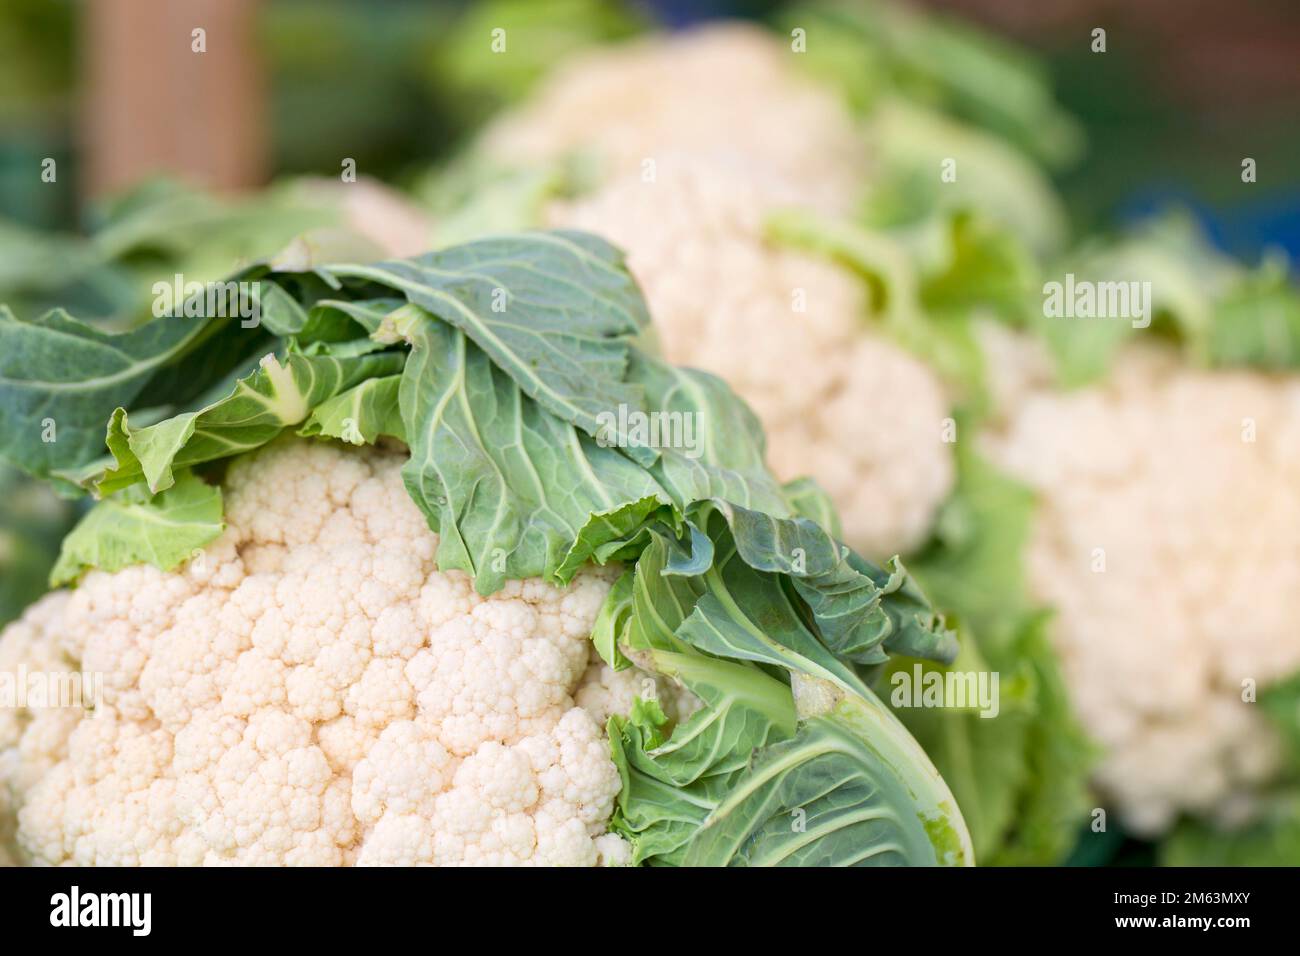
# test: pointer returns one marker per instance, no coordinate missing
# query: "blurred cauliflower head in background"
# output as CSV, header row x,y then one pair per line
x,y
373,211
1168,541
699,138
314,691
725,92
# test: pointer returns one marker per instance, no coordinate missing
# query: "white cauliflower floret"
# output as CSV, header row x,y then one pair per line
x,y
702,136
605,691
311,690
1168,541
724,92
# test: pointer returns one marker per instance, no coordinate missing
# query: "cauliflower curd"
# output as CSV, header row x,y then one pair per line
x,y
1168,541
311,689
699,138
723,92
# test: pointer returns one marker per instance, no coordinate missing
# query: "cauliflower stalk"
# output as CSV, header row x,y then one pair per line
x,y
434,628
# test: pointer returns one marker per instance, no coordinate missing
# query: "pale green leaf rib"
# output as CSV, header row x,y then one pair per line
x,y
509,486
361,414
868,793
554,311
260,406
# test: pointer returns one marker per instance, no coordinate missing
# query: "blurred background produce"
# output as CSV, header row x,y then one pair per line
x,y
1175,102
1138,148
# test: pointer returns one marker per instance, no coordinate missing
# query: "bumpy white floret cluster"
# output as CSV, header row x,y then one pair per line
x,y
311,689
1168,540
724,92
702,137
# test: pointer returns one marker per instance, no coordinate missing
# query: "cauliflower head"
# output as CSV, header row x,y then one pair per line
x,y
287,667
1168,541
685,127
311,689
723,92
